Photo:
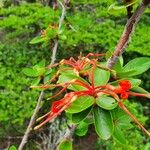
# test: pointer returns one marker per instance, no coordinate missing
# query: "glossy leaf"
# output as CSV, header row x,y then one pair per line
x,y
81,104
106,102
138,65
78,117
81,129
101,77
124,74
103,123
65,145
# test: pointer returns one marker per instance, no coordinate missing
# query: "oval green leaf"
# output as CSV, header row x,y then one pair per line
x,y
138,65
65,145
31,72
81,104
37,39
103,123
101,77
12,148
106,102
81,129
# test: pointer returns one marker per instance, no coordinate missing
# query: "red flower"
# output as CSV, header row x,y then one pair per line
x,y
122,89
124,95
125,85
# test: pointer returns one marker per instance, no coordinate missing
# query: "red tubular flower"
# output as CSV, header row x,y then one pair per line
x,y
125,85
57,108
124,95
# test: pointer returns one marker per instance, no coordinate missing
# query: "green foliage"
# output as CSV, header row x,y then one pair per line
x,y
18,26
106,102
81,104
96,31
65,145
103,123
12,148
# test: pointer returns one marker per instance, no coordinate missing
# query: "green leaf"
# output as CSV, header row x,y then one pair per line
x,y
36,81
31,72
37,39
78,117
137,65
65,145
120,118
101,77
103,123
81,129
41,64
66,77
123,74
118,6
106,102
12,148
81,104
48,71
140,90
119,136
119,65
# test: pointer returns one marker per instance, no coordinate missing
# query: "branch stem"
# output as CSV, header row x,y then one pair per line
x,y
128,30
38,105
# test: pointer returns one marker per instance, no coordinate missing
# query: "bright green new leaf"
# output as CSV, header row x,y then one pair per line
x,y
101,77
103,122
78,117
81,129
65,145
31,72
12,148
81,104
106,102
37,39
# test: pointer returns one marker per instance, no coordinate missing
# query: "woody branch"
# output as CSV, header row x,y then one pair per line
x,y
128,30
38,105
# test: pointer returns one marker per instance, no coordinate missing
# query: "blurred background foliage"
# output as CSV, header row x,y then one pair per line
x,y
88,27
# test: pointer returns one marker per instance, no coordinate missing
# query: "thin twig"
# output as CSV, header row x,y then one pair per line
x,y
38,105
32,120
128,30
53,58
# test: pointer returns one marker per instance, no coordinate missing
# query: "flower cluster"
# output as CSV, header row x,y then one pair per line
x,y
87,87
